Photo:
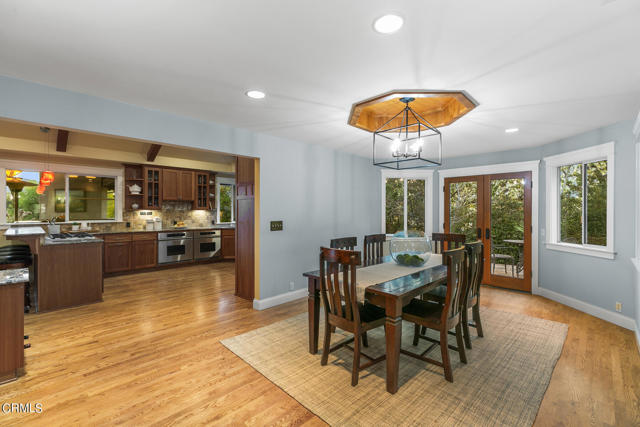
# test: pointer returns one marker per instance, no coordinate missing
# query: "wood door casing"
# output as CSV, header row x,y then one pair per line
x,y
483,223
245,228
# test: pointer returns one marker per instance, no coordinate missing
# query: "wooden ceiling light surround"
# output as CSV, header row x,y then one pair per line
x,y
438,107
153,152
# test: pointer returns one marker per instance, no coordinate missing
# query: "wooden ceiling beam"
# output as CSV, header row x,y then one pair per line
x,y
153,152
63,138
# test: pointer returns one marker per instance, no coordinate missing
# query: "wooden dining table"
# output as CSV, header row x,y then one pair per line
x,y
391,295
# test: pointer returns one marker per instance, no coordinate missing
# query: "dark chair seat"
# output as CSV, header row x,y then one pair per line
x,y
428,311
370,313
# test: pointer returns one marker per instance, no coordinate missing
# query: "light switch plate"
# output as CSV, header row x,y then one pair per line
x,y
276,226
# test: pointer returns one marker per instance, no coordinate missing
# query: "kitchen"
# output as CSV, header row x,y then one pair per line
x,y
81,208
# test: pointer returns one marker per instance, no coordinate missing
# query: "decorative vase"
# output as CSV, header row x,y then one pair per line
x,y
134,206
411,251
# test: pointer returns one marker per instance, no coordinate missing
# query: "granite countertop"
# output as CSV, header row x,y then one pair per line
x,y
25,231
165,230
15,275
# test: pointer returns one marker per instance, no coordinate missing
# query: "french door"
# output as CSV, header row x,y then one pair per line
x,y
495,209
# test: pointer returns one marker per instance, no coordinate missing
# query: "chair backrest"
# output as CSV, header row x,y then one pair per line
x,y
335,289
348,243
475,268
456,278
445,241
373,246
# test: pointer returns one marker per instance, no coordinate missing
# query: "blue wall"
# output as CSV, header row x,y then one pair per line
x,y
319,193
597,281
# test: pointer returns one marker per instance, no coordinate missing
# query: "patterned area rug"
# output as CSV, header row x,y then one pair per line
x,y
503,383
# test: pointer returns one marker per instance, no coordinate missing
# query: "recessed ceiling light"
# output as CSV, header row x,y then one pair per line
x,y
511,130
255,94
388,24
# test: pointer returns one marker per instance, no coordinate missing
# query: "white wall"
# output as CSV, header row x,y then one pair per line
x,y
319,193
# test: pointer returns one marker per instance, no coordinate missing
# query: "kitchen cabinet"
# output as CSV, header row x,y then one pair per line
x,y
11,331
228,243
170,184
202,191
117,252
177,185
144,250
186,186
152,191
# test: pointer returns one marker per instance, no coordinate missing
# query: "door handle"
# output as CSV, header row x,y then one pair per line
x,y
479,233
487,233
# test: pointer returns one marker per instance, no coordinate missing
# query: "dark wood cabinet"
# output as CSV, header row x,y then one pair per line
x,y
144,250
186,186
171,184
202,190
228,243
11,331
117,252
152,191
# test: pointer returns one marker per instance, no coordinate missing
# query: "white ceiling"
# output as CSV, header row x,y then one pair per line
x,y
552,68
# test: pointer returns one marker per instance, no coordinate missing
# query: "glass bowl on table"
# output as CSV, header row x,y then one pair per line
x,y
413,250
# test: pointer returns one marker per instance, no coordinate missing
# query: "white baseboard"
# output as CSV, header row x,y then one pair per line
x,y
261,304
601,313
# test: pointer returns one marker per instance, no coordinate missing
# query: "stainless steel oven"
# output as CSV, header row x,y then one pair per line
x,y
207,243
175,246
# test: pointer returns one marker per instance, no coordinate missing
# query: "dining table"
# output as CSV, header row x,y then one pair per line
x,y
392,295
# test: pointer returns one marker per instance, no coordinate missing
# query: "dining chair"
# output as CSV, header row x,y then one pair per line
x,y
475,268
441,317
342,309
348,243
505,253
373,246
452,241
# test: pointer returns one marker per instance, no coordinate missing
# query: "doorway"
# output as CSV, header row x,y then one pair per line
x,y
495,209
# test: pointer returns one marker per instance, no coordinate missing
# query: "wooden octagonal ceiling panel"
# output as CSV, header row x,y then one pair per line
x,y
440,108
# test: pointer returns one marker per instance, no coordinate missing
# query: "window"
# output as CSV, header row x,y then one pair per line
x,y
580,201
225,198
406,202
68,197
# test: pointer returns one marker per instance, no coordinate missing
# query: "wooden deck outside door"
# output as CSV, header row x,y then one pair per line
x,y
480,207
245,227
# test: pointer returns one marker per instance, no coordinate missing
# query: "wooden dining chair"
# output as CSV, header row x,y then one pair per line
x,y
441,317
446,241
474,266
373,244
342,309
348,243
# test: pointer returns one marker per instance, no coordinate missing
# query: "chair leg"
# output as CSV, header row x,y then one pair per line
x,y
465,328
356,360
416,333
461,351
327,344
476,319
444,349
365,340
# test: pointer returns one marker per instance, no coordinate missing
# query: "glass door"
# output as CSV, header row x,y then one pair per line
x,y
495,209
507,230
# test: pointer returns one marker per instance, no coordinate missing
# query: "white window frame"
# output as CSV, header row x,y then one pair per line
x,y
228,181
427,176
552,164
117,173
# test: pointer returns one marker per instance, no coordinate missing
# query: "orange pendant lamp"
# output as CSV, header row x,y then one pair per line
x,y
46,178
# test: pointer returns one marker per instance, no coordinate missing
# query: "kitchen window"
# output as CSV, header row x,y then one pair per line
x,y
580,201
406,202
225,199
91,195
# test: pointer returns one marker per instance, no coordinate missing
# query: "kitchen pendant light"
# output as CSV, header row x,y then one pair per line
x,y
407,141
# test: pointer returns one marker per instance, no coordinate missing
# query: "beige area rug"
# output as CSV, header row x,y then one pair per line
x,y
507,374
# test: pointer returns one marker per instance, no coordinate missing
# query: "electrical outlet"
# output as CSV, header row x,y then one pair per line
x,y
618,306
291,285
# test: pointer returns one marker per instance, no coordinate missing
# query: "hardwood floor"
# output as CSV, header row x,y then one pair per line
x,y
150,353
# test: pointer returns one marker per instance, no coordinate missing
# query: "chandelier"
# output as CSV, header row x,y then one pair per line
x,y
407,141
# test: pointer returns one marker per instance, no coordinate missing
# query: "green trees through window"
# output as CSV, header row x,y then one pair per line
x,y
395,206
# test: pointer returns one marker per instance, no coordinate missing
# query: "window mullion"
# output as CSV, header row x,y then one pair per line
x,y
66,197
584,203
405,182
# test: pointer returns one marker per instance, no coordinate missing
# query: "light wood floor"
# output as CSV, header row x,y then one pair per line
x,y
150,353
